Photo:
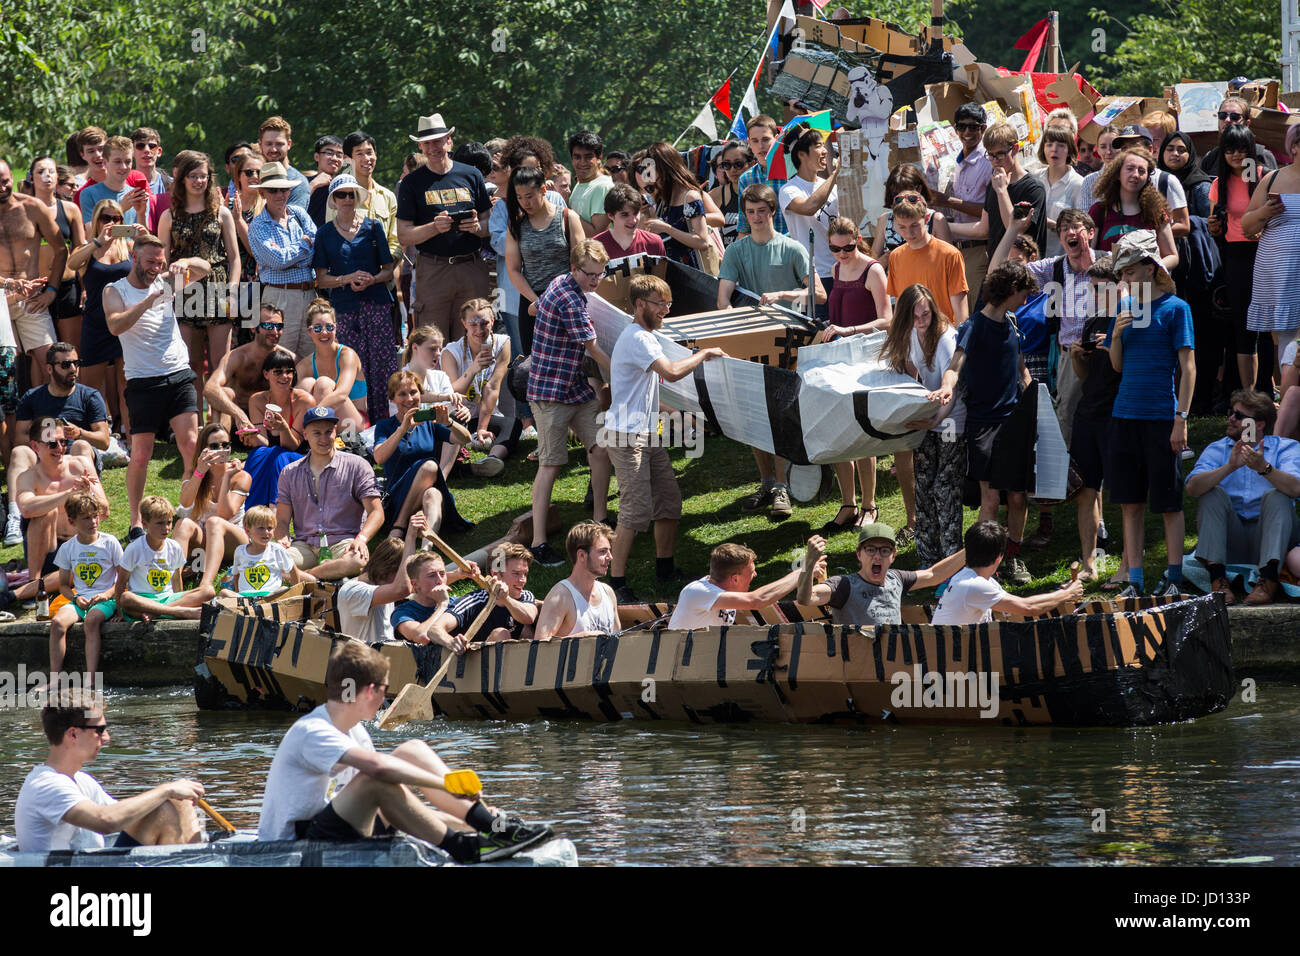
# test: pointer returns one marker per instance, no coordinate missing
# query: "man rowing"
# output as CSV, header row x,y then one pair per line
x,y
328,783
713,601
514,607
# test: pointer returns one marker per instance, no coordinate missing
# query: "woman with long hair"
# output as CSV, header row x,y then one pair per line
x,y
102,260
539,242
921,343
332,373
905,179
735,159
679,213
66,307
279,437
476,364
245,204
1127,198
212,503
199,224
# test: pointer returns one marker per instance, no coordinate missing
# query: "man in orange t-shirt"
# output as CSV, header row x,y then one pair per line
x,y
933,263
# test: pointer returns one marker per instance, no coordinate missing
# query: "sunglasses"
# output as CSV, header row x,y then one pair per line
x,y
1240,416
219,445
103,219
251,173
276,189
732,164
1234,117
615,169
968,127
322,328
840,250
58,444
271,326
66,364
99,729
282,371
147,146
345,196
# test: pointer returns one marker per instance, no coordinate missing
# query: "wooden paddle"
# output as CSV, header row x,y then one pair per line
x,y
460,562
415,702
218,818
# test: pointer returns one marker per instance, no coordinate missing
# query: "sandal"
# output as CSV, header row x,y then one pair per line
x,y
906,535
834,526
532,455
868,516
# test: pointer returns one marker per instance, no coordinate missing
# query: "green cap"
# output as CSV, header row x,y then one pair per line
x,y
877,529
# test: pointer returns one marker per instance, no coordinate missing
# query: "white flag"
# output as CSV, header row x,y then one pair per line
x,y
705,122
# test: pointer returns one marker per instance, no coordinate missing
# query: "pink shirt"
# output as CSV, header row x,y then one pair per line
x,y
970,182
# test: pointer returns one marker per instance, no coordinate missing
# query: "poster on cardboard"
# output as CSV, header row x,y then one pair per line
x,y
1198,106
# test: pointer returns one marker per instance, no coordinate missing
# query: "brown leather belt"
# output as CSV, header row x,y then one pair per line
x,y
452,260
300,286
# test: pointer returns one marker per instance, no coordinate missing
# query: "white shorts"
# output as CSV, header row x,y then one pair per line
x,y
34,329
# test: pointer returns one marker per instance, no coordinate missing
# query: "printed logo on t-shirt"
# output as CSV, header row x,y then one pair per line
x,y
257,576
727,617
158,578
88,572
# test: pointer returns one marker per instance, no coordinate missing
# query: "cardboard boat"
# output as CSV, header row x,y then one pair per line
x,y
1116,664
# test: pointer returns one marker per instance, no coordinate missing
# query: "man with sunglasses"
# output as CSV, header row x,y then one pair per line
x,y
79,407
1236,111
282,238
1247,483
616,164
239,374
964,200
148,150
61,807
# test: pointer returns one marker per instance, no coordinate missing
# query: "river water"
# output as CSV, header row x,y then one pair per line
x,y
1220,788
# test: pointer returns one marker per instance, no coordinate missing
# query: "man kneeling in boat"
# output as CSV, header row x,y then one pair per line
x,y
61,807
714,600
515,608
874,594
327,782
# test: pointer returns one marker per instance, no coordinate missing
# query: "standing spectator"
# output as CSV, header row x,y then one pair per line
x,y
558,390
90,143
617,164
1057,151
354,261
999,442
732,163
148,150
587,198
679,215
927,260
1148,428
234,153
139,204
380,205
964,200
329,158
245,203
1128,200
541,240
1245,520
809,203
66,307
198,224
1234,111
1105,151
1230,194
441,210
907,182
623,238
26,223
1009,186
274,140
635,434
330,498
283,240
1159,124
761,134
1275,211
1168,186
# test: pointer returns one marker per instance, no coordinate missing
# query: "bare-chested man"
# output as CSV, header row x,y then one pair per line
x,y
24,221
239,374
40,492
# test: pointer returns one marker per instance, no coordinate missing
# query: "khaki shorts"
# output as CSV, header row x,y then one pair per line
x,y
553,421
305,555
34,330
647,487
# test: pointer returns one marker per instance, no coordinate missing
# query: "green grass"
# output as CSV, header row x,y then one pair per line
x,y
712,486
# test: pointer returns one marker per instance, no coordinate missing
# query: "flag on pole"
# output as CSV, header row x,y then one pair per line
x,y
722,98
705,122
1033,42
740,129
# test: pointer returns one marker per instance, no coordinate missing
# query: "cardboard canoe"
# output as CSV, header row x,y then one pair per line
x,y
1152,664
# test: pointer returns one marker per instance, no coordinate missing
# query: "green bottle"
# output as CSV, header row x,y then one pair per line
x,y
324,553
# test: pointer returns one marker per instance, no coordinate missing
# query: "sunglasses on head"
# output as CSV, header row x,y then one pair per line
x,y
322,328
1229,115
271,326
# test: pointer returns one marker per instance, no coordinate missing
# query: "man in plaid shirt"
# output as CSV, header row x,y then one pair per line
x,y
558,390
762,133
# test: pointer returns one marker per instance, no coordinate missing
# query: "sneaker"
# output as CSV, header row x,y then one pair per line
x,y
1129,592
489,467
781,507
516,836
546,556
759,499
1017,574
136,532
13,530
625,595
1167,588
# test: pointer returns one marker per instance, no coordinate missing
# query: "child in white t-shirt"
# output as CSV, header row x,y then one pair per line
x,y
262,567
149,577
972,595
87,566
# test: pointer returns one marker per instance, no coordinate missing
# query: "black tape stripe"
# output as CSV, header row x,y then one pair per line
x,y
573,660
876,652
559,664
905,643
722,656
781,388
1067,649
297,647
687,645
862,414
702,393
1047,635
891,651
653,662
844,644
1115,645
1092,627
531,669
796,648
940,653
984,649
602,667
918,638
830,639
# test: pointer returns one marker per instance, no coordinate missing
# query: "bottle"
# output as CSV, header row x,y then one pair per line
x,y
42,601
324,553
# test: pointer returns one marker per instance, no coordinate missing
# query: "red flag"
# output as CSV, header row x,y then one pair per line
x,y
1033,42
721,99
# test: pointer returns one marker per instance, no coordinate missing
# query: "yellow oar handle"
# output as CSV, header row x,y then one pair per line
x,y
220,820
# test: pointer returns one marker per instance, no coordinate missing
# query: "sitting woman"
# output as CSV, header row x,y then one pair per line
x,y
279,443
332,373
409,452
476,363
212,503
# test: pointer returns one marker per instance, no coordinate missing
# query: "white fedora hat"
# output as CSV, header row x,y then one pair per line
x,y
431,127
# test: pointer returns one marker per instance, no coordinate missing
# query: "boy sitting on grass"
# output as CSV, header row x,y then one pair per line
x,y
972,596
149,578
87,567
261,566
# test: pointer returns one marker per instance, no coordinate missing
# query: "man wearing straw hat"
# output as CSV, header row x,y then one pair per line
x,y
282,237
442,210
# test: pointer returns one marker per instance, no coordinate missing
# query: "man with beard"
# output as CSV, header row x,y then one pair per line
x,y
275,139
239,373
581,605
24,222
159,381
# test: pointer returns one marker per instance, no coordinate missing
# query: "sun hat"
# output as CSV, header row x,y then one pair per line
x,y
273,177
1136,247
348,184
431,127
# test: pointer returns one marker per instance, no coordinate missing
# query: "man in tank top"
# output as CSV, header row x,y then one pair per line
x,y
581,604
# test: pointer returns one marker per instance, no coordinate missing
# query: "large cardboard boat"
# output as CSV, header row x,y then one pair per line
x,y
1115,664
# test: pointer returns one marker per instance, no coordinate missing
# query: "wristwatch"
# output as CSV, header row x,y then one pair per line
x,y
1183,415
1268,469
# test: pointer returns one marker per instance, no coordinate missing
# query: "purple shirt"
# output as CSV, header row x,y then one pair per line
x,y
333,503
555,374
970,182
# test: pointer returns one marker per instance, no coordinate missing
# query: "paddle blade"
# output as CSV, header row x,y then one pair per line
x,y
404,708
462,783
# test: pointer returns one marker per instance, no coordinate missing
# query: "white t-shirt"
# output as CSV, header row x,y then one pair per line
x,y
45,797
357,618
152,571
153,346
93,566
305,774
695,607
261,572
932,377
633,388
1063,194
435,380
968,599
799,188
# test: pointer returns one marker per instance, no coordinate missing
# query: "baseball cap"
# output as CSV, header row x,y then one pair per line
x,y
877,530
321,413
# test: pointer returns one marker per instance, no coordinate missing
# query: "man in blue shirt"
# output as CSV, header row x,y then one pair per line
x,y
1151,341
1247,483
416,619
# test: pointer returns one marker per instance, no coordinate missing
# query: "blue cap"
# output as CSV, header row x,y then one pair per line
x,y
321,413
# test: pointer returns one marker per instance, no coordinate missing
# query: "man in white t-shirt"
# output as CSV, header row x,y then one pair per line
x,y
366,602
159,381
809,203
972,596
634,438
713,601
60,807
328,783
